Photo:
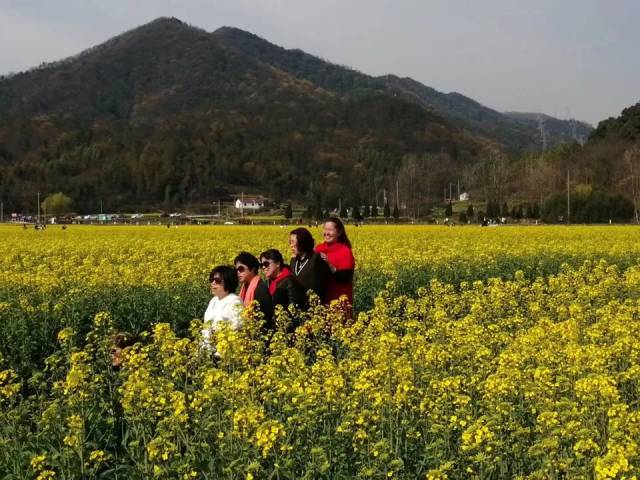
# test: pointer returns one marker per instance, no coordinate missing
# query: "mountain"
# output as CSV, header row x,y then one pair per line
x,y
557,131
168,114
605,161
515,131
625,128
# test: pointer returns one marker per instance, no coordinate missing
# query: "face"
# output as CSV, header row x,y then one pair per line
x,y
270,268
217,286
116,357
293,244
330,232
244,273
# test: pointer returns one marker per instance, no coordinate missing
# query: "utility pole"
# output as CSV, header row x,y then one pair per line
x,y
543,134
458,189
219,208
568,197
38,220
1,212
397,195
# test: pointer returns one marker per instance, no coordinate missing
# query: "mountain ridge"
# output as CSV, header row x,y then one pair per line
x,y
514,133
165,114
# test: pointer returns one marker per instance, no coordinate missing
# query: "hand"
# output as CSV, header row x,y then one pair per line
x,y
326,259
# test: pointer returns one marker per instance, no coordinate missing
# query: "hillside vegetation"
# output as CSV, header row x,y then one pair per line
x,y
169,114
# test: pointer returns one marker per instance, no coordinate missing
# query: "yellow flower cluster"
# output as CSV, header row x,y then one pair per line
x,y
513,354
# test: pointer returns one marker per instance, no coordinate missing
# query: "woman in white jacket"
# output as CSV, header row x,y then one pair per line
x,y
225,306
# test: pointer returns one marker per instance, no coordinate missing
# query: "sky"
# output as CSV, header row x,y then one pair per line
x,y
566,58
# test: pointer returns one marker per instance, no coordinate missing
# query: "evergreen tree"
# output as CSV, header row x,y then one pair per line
x,y
504,211
463,218
490,209
396,212
449,210
470,212
309,213
317,212
387,211
288,212
374,210
343,212
520,212
535,210
355,213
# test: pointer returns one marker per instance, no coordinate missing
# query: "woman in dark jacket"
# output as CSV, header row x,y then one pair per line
x,y
284,289
252,286
307,266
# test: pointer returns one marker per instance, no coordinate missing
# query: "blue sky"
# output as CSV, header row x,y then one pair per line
x,y
566,58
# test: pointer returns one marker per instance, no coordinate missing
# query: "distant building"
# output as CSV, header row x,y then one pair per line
x,y
464,196
250,203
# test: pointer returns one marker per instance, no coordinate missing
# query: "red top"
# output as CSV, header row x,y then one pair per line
x,y
281,276
341,257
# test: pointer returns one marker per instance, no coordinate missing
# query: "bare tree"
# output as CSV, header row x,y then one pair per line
x,y
631,161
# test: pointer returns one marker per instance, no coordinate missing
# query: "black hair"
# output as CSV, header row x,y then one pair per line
x,y
304,239
229,277
342,233
273,255
249,260
123,339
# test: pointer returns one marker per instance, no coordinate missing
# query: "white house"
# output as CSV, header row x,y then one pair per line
x,y
250,203
464,196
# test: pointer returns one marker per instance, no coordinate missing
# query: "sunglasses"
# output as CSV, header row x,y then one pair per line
x,y
240,268
216,280
266,264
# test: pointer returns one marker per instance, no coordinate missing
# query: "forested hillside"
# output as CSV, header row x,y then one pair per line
x,y
167,114
516,132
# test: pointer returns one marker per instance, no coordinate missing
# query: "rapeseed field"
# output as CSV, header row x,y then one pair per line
x,y
476,353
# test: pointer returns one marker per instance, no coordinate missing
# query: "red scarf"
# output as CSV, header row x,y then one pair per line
x,y
247,294
284,273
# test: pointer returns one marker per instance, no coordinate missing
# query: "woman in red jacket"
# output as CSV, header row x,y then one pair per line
x,y
336,251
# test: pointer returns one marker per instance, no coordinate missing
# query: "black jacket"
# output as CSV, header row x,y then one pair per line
x,y
288,292
312,273
263,297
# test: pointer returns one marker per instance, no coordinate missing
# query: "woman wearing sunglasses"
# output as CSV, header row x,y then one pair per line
x,y
283,287
225,306
252,287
